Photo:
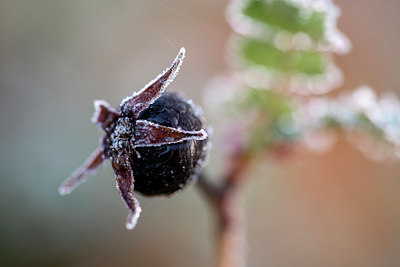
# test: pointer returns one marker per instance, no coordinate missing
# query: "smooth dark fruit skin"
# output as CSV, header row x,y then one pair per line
x,y
165,169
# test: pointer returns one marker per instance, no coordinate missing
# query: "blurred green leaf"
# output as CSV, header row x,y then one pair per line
x,y
274,121
268,101
286,15
358,120
263,53
361,121
311,63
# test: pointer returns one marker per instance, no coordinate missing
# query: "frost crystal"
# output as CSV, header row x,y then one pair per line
x,y
152,134
251,20
372,123
124,132
91,166
142,99
133,216
333,40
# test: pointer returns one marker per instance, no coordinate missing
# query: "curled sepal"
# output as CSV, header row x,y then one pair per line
x,y
92,164
152,134
139,101
104,114
125,184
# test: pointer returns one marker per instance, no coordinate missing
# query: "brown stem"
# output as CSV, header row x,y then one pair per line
x,y
231,237
226,200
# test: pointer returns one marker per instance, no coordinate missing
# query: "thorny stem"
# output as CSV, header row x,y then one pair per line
x,y
226,199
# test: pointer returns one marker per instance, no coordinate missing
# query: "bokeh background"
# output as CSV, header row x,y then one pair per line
x,y
331,209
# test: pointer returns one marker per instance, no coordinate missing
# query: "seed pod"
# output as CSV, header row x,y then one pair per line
x,y
156,143
168,168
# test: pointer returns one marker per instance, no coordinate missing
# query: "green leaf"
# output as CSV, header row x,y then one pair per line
x,y
268,101
274,121
286,15
263,53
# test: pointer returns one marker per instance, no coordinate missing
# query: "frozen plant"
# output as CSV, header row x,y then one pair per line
x,y
281,63
281,56
156,143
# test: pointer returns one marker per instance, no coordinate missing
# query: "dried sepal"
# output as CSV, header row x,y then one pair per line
x,y
141,100
93,163
125,184
152,134
104,114
125,133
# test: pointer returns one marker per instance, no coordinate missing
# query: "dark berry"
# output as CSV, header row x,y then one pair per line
x,y
156,143
168,168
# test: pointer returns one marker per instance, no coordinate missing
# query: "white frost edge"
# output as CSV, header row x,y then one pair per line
x,y
203,136
263,77
335,41
133,217
178,60
64,189
97,107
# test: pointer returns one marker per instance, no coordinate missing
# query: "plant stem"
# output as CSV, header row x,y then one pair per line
x,y
226,200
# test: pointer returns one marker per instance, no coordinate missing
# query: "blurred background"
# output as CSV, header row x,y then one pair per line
x,y
56,57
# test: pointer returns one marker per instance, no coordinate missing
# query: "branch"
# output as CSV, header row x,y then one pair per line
x,y
226,200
